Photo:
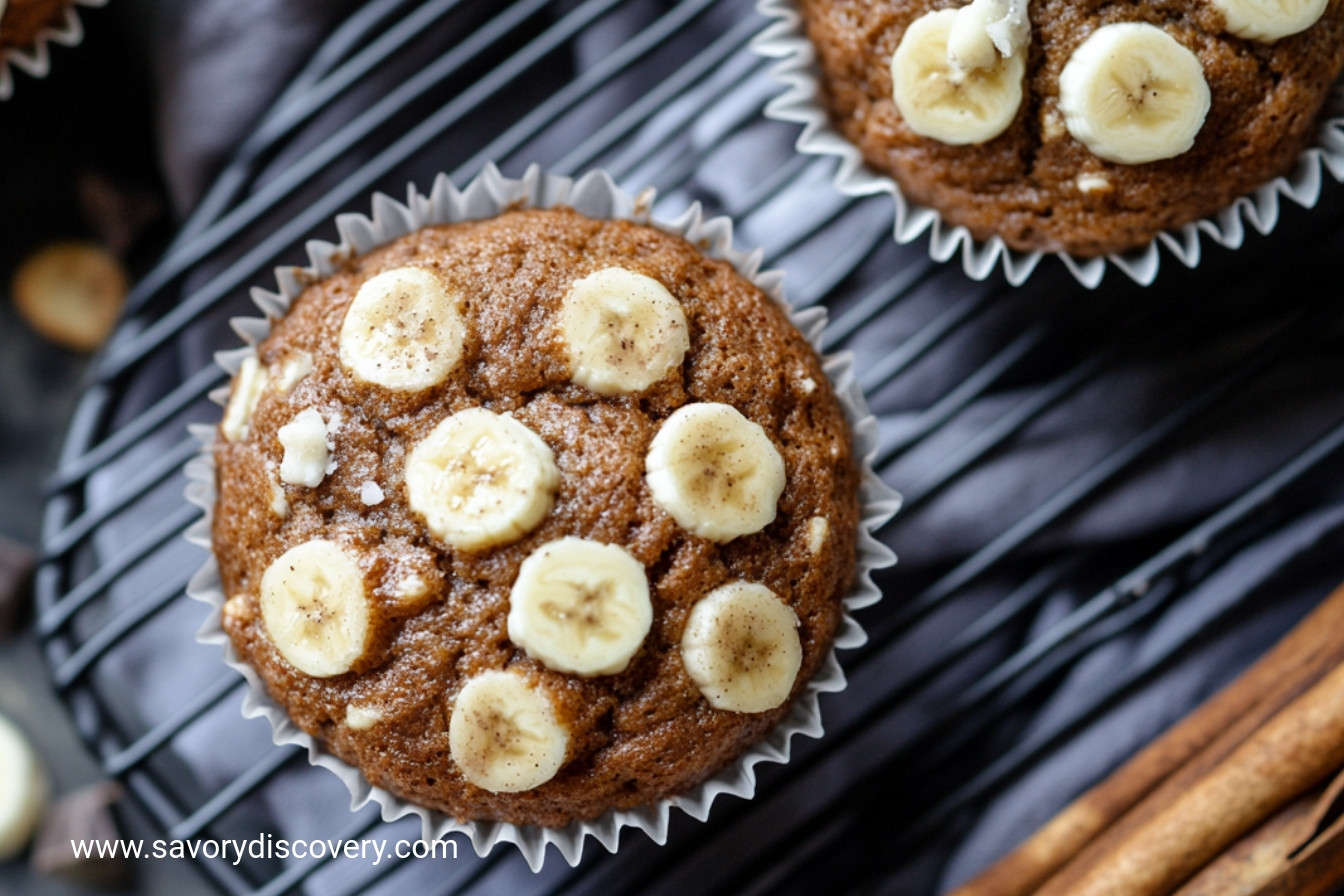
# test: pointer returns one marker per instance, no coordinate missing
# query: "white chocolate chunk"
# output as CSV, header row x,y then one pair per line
x,y
948,103
306,451
248,385
1093,183
817,530
370,493
412,588
362,718
292,371
985,30
279,501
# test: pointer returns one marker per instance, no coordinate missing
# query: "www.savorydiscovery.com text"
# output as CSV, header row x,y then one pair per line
x,y
265,846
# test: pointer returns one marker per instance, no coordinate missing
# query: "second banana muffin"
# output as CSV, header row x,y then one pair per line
x,y
1028,152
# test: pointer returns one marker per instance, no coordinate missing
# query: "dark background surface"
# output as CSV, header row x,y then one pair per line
x,y
159,95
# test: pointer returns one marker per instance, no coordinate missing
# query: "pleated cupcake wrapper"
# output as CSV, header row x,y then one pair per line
x,y
596,196
35,59
786,39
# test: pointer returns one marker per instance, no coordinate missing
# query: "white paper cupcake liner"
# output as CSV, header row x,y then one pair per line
x,y
786,39
596,196
35,59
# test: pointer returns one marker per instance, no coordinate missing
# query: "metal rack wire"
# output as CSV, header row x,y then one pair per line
x,y
961,374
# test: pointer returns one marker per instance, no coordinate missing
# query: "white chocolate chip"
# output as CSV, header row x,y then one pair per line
x,y
817,530
247,388
1052,125
1093,183
292,371
362,718
279,503
306,449
413,587
370,493
235,609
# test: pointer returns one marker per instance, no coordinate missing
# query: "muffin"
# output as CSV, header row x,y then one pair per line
x,y
26,29
1087,129
535,517
22,20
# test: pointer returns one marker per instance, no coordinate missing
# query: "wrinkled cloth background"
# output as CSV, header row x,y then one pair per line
x,y
215,66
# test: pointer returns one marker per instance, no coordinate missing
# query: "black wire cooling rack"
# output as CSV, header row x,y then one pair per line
x,y
1043,437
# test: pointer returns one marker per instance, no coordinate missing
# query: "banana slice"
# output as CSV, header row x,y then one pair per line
x,y
951,103
404,330
622,331
1131,93
741,648
248,385
481,479
315,608
23,790
580,606
716,472
504,734
1270,20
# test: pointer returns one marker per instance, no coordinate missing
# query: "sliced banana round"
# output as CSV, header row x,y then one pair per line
x,y
504,735
480,479
716,472
741,648
404,330
622,331
315,608
1131,93
23,790
1270,20
580,606
248,385
950,103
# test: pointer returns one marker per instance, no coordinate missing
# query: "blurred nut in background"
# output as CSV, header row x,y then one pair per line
x,y
71,293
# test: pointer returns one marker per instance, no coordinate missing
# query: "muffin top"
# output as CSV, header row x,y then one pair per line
x,y
534,517
1086,127
21,20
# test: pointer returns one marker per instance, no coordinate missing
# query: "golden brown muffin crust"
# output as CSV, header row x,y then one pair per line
x,y
637,736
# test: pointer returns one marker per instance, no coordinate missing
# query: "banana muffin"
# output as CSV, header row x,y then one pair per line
x,y
1084,127
21,20
534,517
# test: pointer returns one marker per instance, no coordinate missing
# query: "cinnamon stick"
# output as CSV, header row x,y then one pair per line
x,y
1300,852
1259,858
1293,752
1213,730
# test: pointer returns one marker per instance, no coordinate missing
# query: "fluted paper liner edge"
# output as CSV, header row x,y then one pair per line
x,y
35,59
597,196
